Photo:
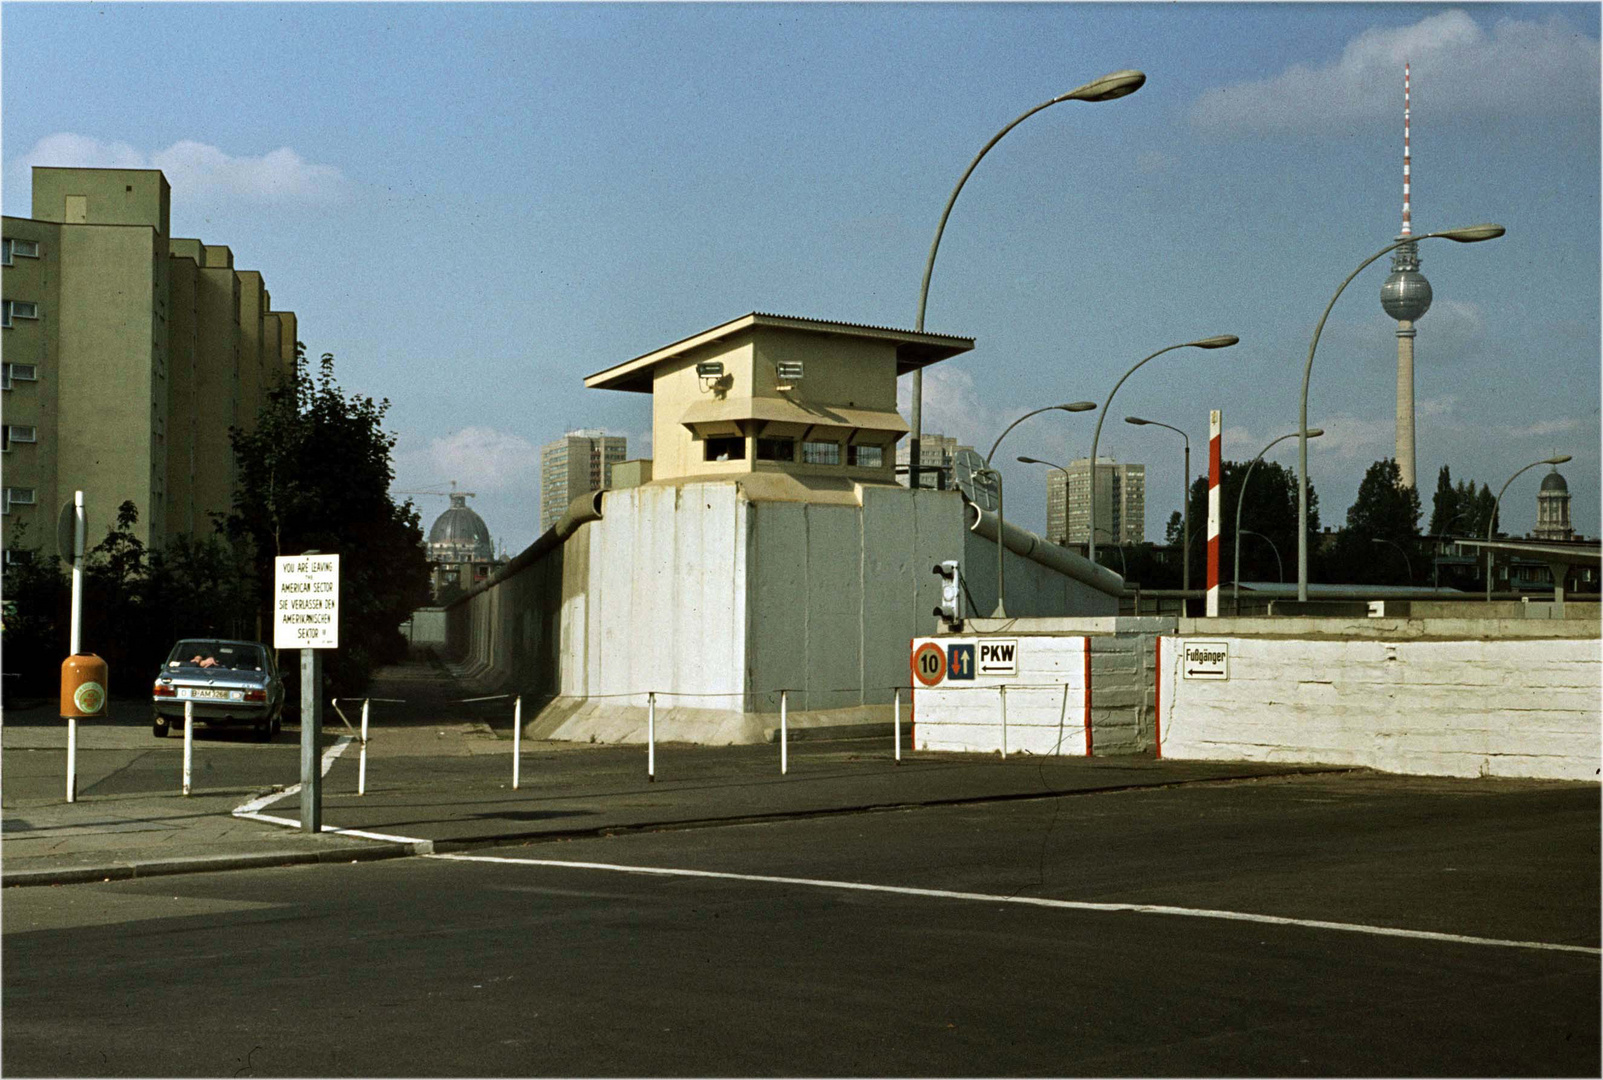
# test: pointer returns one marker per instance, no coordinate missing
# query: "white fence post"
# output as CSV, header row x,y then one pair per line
x,y
361,763
1002,690
189,740
72,759
898,735
651,737
517,738
784,732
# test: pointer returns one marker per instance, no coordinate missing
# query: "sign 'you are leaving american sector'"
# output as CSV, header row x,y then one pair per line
x,y
306,602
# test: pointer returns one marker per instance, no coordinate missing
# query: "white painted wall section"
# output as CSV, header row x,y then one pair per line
x,y
1047,706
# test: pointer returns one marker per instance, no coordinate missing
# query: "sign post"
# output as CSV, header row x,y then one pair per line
x,y
306,597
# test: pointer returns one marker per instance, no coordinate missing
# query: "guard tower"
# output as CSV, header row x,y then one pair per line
x,y
1406,297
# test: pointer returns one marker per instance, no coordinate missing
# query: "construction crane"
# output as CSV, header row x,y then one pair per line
x,y
446,494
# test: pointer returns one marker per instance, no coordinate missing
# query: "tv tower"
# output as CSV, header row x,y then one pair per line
x,y
1405,296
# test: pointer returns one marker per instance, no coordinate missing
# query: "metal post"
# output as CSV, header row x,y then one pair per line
x,y
361,764
72,759
311,730
1002,690
78,529
517,738
898,725
784,732
189,741
651,737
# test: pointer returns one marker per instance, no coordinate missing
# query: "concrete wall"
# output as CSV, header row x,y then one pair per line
x,y
1432,697
717,603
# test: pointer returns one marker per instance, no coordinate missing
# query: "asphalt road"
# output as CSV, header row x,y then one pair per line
x,y
455,967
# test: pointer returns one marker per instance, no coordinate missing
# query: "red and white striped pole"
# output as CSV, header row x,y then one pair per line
x,y
1213,513
1408,179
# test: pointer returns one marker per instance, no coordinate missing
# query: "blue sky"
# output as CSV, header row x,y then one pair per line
x,y
475,205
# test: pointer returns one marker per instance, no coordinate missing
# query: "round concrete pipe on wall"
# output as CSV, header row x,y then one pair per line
x,y
1025,543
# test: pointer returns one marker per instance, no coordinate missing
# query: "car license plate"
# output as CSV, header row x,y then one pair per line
x,y
198,694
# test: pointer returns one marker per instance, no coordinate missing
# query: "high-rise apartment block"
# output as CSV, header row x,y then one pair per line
x,y
935,453
1121,503
128,354
578,462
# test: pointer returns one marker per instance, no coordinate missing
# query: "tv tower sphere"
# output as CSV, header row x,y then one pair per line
x,y
1406,294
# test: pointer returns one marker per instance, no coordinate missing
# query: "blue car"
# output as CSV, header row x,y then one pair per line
x,y
228,682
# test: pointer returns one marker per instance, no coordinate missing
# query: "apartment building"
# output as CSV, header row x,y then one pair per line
x,y
578,462
935,453
1121,502
128,354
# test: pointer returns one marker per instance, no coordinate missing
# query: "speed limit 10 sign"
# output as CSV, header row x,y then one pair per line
x,y
929,663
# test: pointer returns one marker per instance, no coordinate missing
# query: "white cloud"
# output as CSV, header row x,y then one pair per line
x,y
479,459
194,169
952,407
1519,68
1557,426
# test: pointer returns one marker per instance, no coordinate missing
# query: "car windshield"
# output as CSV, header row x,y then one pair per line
x,y
235,656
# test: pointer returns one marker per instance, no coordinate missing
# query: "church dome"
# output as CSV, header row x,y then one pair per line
x,y
460,535
1554,482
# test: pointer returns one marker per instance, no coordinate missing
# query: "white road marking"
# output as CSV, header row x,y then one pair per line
x,y
1036,901
250,809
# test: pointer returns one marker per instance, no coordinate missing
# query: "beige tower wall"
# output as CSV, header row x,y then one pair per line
x,y
252,385
102,197
216,382
1405,402
34,402
184,407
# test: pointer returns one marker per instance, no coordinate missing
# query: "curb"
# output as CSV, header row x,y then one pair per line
x,y
199,864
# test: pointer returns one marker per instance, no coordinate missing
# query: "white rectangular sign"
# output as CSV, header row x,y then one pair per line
x,y
306,602
1206,660
999,656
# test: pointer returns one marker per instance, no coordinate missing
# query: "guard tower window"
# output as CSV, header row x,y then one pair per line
x,y
821,453
725,448
783,449
867,457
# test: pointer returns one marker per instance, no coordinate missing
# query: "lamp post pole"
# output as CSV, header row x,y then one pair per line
x,y
1223,341
1473,234
1280,567
1185,500
1557,459
1241,498
1001,530
1409,563
1108,87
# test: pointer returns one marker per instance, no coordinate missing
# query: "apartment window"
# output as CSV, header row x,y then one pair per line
x,y
23,249
17,497
776,449
15,433
820,453
867,457
17,309
18,558
725,448
20,373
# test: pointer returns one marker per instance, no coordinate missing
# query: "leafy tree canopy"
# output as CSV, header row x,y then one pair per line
x,y
1270,510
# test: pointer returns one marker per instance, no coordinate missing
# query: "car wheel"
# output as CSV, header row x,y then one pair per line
x,y
158,727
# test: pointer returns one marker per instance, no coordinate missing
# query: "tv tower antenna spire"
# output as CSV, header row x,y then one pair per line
x,y
1406,296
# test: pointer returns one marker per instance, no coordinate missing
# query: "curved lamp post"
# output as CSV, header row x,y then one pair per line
x,y
1471,235
1241,497
1558,459
1076,406
1117,85
1185,500
1406,560
1037,461
1223,341
1280,567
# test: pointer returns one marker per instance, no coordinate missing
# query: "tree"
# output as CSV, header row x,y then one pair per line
x,y
1384,513
1270,510
38,600
314,475
1446,506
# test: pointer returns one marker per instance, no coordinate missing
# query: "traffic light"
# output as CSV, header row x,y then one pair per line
x,y
951,608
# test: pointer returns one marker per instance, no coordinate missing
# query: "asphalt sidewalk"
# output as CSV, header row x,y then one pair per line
x,y
439,778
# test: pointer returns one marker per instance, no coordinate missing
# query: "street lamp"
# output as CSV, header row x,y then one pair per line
x,y
1223,341
1280,567
1075,406
1241,497
1185,499
1471,235
1558,459
1117,85
1406,560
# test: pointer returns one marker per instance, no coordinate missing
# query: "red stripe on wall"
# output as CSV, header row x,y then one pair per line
x,y
1214,446
1157,699
1213,562
1087,642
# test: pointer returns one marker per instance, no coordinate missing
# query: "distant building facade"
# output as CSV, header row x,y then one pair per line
x,y
1553,509
578,462
935,453
1121,502
128,355
459,548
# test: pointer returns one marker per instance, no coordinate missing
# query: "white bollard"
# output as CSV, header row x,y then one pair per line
x,y
898,735
651,737
72,759
361,761
1003,691
517,737
784,733
189,741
